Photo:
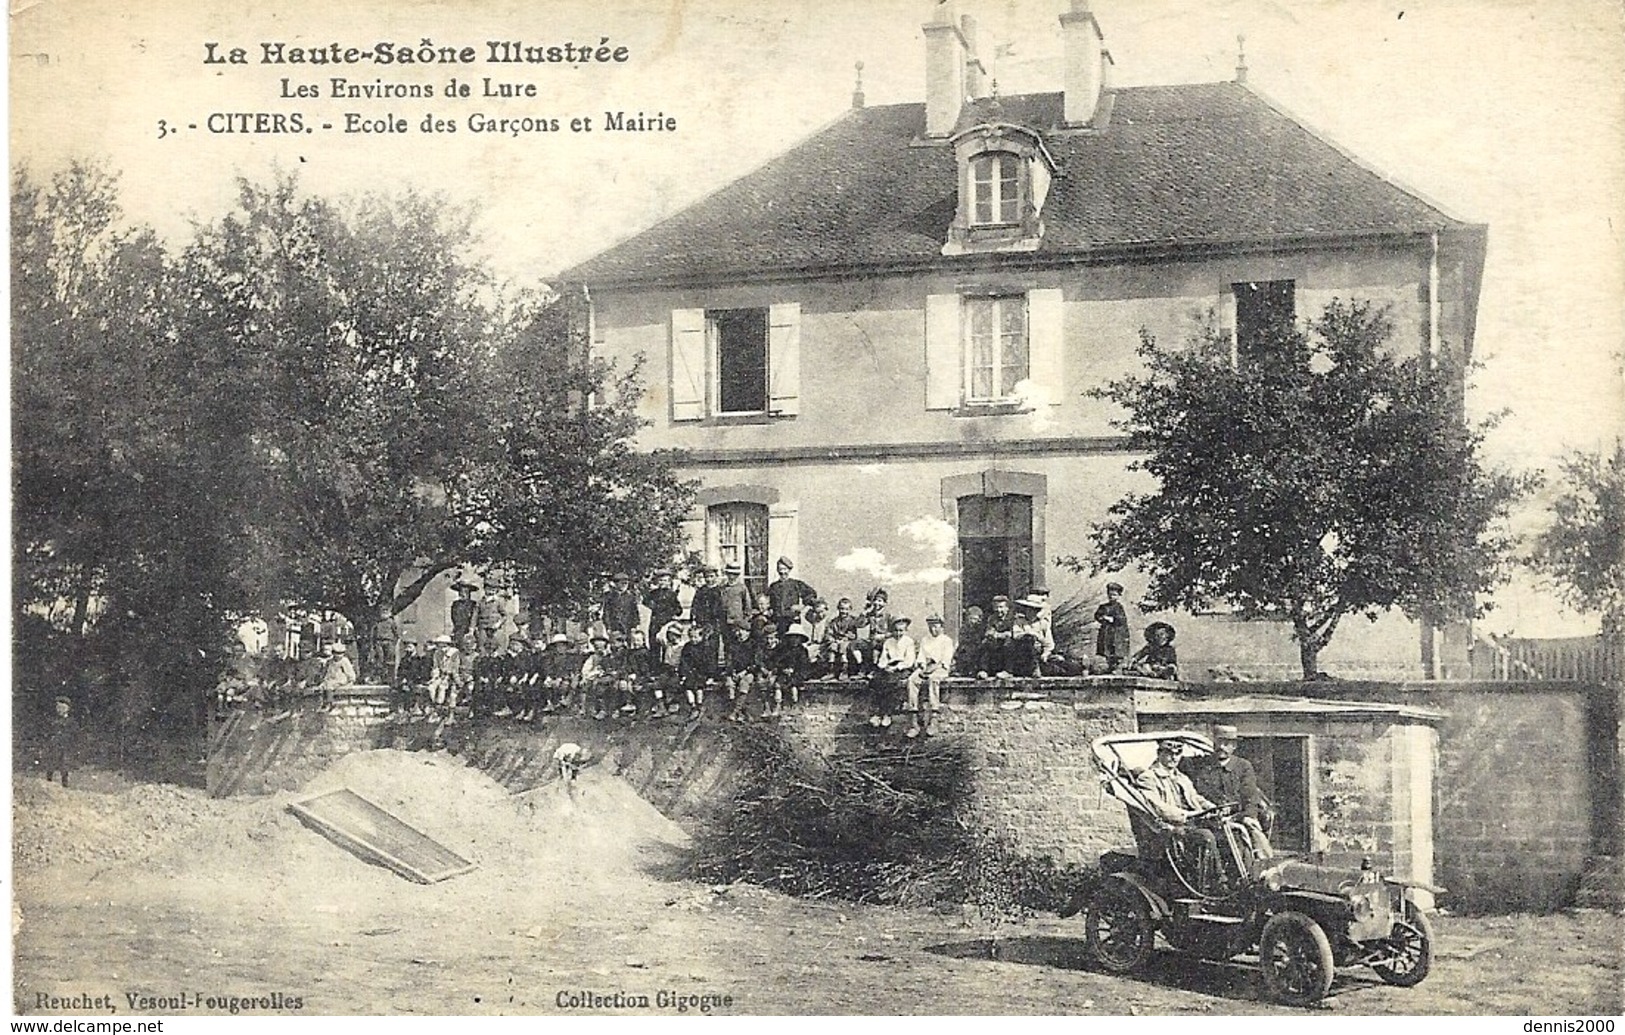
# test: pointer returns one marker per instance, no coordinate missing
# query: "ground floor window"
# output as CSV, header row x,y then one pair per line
x,y
738,534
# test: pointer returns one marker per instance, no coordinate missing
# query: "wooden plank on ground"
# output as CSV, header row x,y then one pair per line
x,y
357,825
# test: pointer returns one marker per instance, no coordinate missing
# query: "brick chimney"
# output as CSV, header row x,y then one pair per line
x,y
946,58
1085,59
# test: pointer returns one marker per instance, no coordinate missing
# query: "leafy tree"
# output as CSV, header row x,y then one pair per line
x,y
1328,479
403,414
313,402
113,487
1583,552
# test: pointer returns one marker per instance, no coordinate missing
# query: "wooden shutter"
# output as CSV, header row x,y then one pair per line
x,y
944,357
687,364
784,358
1045,340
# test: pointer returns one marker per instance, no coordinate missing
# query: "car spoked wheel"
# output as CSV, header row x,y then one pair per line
x,y
1406,955
1296,959
1118,928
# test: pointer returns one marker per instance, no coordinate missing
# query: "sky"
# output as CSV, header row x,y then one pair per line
x,y
1499,111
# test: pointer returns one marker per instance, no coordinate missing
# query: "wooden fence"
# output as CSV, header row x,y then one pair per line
x,y
1580,659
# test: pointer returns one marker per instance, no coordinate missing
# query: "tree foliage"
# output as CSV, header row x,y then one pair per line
x,y
1583,552
1330,479
313,402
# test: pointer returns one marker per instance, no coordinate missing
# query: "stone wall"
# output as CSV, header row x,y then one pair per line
x,y
1034,782
1526,788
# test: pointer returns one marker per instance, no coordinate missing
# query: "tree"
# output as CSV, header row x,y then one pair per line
x,y
1583,552
402,413
1326,479
315,402
105,471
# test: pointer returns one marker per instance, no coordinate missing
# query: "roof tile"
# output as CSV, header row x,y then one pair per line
x,y
1177,165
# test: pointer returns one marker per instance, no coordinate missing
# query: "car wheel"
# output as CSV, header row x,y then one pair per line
x,y
1409,948
1118,927
1296,959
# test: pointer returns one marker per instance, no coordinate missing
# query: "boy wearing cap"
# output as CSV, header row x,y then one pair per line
x,y
61,740
738,599
340,671
620,607
1112,639
787,598
936,660
841,641
462,610
894,664
874,624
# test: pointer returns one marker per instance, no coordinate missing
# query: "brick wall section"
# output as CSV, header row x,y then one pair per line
x,y
1034,782
1514,803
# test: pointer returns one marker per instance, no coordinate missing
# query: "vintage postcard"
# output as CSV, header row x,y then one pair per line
x,y
651,508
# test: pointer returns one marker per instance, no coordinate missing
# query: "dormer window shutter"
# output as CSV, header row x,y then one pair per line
x,y
1045,336
943,358
784,358
687,364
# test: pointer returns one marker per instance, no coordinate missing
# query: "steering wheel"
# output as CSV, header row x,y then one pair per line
x,y
1225,811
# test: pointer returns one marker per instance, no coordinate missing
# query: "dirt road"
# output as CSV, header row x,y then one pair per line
x,y
571,908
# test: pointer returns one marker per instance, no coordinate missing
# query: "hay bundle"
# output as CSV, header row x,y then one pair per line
x,y
878,826
886,824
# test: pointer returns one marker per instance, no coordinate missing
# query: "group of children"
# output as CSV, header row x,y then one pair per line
x,y
272,682
751,652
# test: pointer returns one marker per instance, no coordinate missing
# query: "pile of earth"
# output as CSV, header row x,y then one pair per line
x,y
53,826
595,824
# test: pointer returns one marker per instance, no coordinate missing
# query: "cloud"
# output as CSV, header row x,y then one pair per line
x,y
871,468
932,536
931,533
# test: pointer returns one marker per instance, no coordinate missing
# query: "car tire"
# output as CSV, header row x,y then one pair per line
x,y
1295,958
1118,928
1412,942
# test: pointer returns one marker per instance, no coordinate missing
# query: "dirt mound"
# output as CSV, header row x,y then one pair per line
x,y
54,826
597,824
595,819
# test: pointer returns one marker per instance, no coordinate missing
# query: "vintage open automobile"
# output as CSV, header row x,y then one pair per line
x,y
1303,920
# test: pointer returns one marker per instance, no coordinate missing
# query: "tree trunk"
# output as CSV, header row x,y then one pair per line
x,y
408,594
1309,654
81,610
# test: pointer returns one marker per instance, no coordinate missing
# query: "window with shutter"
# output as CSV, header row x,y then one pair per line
x,y
736,362
688,377
996,357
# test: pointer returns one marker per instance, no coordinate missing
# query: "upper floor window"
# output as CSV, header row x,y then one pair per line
x,y
996,188
735,362
996,347
1266,310
739,341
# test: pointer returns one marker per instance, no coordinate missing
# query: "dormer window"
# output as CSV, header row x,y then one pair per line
x,y
1004,177
996,188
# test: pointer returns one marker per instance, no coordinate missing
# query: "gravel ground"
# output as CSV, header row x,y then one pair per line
x,y
569,907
